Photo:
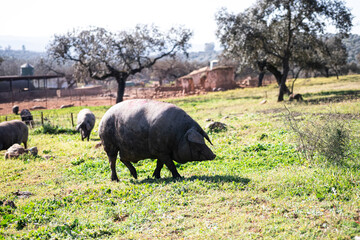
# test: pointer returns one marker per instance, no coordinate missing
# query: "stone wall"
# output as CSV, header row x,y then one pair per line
x,y
83,91
204,78
222,77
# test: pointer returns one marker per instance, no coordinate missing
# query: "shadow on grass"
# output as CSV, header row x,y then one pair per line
x,y
210,179
338,93
335,96
328,116
95,139
210,100
50,129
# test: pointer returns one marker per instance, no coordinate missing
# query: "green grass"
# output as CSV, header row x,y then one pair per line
x,y
259,185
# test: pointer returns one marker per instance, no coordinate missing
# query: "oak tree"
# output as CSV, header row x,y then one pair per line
x,y
271,32
172,68
102,54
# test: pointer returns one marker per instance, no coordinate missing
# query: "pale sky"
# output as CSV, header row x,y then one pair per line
x,y
37,21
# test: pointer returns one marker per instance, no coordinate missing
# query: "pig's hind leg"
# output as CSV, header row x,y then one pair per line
x,y
25,144
112,161
112,152
159,166
170,165
130,167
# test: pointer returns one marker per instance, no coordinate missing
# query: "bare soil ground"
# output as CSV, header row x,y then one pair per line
x,y
54,103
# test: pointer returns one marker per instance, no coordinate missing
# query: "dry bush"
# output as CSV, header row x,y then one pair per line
x,y
328,136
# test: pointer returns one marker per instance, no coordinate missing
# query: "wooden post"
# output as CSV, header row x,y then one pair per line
x,y
5,118
42,119
12,93
72,119
45,83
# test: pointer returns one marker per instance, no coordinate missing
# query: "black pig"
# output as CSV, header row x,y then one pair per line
x,y
11,132
85,123
139,129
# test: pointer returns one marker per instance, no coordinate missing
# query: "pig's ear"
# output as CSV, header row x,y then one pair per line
x,y
78,126
88,126
206,136
194,136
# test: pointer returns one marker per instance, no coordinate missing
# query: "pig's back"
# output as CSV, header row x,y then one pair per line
x,y
140,128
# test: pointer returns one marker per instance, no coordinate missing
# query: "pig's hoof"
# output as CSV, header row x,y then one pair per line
x,y
156,175
177,177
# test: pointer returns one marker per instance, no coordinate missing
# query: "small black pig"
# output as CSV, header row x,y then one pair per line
x,y
85,123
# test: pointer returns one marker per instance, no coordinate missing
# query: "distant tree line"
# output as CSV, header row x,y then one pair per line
x,y
13,59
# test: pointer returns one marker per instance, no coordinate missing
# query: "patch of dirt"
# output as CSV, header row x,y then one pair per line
x,y
55,103
272,110
100,100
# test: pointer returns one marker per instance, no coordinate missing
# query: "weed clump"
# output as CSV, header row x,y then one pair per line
x,y
216,127
50,129
329,137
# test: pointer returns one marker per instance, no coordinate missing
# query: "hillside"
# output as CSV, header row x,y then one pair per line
x,y
21,54
352,44
203,56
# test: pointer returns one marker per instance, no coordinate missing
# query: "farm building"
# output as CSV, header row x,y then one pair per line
x,y
27,81
19,85
30,86
26,70
208,79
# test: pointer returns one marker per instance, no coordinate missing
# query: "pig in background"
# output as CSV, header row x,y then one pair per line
x,y
27,117
85,123
139,129
12,132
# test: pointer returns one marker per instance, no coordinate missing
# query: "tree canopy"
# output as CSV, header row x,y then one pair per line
x,y
172,68
274,34
101,54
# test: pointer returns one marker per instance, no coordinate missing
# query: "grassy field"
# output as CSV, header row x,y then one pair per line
x,y
259,186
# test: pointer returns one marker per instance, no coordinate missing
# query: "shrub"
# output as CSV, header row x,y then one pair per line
x,y
329,137
47,128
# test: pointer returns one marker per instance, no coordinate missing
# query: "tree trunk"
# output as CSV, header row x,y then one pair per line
x,y
120,90
282,91
261,77
283,88
280,80
327,72
261,65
